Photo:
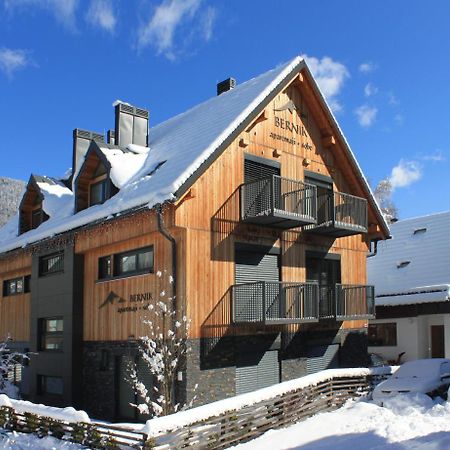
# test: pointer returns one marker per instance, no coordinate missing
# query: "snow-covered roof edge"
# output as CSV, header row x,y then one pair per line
x,y
350,153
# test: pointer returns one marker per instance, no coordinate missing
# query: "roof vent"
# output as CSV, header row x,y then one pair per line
x,y
419,231
81,141
131,125
226,85
402,264
111,137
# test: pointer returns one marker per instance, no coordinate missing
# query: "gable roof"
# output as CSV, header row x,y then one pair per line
x,y
413,266
181,148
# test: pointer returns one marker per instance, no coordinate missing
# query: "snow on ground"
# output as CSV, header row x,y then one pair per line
x,y
406,423
19,441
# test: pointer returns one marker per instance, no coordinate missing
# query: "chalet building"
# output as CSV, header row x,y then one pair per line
x,y
252,201
412,280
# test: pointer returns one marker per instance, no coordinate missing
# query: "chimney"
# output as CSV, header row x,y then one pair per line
x,y
81,141
226,85
111,137
131,125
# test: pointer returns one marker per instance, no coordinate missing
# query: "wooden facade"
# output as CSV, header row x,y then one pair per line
x,y
293,130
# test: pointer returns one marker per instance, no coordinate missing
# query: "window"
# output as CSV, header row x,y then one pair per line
x,y
51,331
105,267
125,264
16,286
383,334
36,218
51,264
50,385
97,193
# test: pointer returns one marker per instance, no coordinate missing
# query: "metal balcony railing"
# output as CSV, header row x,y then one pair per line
x,y
275,302
340,214
355,302
278,202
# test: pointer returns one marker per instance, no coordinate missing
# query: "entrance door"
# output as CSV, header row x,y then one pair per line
x,y
325,199
327,272
437,341
126,394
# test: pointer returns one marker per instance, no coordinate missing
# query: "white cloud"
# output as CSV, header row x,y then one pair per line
x,y
161,29
63,10
366,115
208,20
330,76
437,156
399,119
101,13
370,89
392,99
367,67
13,60
405,173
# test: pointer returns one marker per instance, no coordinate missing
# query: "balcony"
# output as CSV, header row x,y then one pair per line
x,y
355,302
278,202
339,215
275,303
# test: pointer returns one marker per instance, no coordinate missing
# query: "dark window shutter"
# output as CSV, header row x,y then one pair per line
x,y
255,171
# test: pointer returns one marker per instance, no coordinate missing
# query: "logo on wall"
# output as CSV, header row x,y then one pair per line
x,y
136,302
111,298
290,105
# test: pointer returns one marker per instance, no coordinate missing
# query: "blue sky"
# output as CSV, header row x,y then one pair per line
x,y
384,67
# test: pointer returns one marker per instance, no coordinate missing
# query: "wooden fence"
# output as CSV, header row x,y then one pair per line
x,y
218,432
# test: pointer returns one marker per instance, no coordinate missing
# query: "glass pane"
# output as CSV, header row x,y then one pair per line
x,y
52,385
54,263
145,260
97,193
19,285
36,217
54,325
53,342
127,263
105,267
12,287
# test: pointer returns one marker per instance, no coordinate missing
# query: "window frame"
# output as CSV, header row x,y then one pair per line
x,y
115,264
47,272
42,387
103,181
25,279
44,333
385,339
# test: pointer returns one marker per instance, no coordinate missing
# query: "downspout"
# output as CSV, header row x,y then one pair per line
x,y
165,232
375,247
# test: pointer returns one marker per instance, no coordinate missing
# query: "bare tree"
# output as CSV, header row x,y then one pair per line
x,y
9,360
383,195
163,351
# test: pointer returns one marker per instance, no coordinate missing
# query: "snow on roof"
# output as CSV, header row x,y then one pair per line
x,y
183,143
58,199
413,266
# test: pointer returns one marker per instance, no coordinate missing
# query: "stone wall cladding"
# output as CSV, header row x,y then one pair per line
x,y
100,384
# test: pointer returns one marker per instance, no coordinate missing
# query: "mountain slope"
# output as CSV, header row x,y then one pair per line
x,y
10,196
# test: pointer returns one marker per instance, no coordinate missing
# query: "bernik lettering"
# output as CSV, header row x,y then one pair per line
x,y
286,125
146,296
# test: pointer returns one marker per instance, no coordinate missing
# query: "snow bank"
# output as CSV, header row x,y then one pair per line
x,y
406,423
66,414
160,425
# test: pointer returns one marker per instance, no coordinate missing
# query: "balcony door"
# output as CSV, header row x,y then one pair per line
x,y
325,206
326,271
254,263
258,178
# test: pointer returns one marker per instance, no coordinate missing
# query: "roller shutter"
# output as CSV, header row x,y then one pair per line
x,y
322,357
257,371
255,170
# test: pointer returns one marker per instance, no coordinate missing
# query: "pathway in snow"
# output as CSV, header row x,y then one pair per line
x,y
19,441
406,423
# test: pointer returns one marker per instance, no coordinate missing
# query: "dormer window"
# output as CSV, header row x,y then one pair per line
x,y
97,193
31,211
93,185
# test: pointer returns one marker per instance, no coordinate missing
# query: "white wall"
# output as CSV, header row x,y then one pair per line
x,y
414,337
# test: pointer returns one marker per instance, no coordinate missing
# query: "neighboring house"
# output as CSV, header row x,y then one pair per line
x,y
411,274
252,201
